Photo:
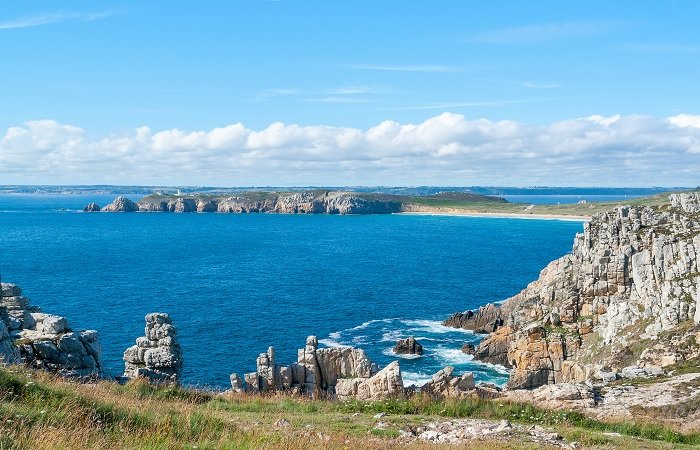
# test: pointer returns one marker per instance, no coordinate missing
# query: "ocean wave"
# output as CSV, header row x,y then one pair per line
x,y
331,343
392,336
414,378
335,335
390,352
364,325
433,326
453,356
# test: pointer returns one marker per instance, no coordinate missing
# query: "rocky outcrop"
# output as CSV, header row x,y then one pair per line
x,y
312,202
342,372
627,295
92,207
408,346
445,384
156,356
486,319
45,341
121,204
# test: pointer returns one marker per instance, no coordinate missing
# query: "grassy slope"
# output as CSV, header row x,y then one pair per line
x,y
39,412
575,209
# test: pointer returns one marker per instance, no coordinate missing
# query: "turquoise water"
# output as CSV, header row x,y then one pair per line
x,y
235,284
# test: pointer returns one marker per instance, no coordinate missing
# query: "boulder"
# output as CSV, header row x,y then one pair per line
x,y
408,346
92,207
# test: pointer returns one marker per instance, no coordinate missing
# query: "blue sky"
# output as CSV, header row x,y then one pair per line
x,y
80,79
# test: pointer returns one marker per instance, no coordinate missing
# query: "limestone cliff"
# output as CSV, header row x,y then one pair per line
x,y
628,295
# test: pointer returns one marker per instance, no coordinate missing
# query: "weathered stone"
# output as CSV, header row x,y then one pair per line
x,y
236,383
121,204
386,383
156,356
408,346
92,207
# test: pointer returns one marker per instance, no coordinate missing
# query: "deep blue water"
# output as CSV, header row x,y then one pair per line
x,y
235,284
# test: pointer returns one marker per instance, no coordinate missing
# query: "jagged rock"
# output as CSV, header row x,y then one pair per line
x,y
469,349
92,207
445,384
45,341
236,383
408,346
633,277
557,396
340,372
486,319
121,204
157,356
386,383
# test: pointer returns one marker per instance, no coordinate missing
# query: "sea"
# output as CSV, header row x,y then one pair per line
x,y
235,284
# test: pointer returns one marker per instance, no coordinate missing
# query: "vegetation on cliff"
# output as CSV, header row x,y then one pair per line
x,y
38,411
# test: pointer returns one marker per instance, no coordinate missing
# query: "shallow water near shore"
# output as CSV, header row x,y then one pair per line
x,y
237,283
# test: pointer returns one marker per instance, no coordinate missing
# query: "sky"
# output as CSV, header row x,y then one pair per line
x,y
321,92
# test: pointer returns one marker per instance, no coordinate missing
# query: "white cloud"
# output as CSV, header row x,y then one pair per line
x,y
406,68
52,18
447,149
533,34
662,48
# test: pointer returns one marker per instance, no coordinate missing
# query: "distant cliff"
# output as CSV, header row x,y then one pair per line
x,y
626,301
312,202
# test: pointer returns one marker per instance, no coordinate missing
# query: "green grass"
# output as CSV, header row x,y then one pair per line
x,y
37,411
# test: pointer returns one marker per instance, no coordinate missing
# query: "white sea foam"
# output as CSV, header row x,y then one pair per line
x,y
414,378
453,355
390,352
391,336
433,326
364,325
331,343
335,335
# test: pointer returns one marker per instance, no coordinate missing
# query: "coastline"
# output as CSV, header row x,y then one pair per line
x,y
571,218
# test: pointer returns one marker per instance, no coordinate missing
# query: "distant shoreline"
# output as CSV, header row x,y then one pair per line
x,y
502,215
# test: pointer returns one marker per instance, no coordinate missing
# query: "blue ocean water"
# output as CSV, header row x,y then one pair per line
x,y
236,283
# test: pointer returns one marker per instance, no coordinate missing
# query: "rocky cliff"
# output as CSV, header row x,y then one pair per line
x,y
297,203
44,341
312,202
625,301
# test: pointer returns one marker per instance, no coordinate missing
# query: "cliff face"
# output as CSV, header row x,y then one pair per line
x,y
298,203
44,341
628,295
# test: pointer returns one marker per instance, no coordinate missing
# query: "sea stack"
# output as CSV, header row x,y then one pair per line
x,y
408,346
156,356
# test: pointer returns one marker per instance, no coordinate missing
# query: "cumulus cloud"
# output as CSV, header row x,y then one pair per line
x,y
447,149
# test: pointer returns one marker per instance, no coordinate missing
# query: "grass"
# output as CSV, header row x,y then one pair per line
x,y
41,412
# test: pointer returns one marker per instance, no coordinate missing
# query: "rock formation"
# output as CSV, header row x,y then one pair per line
x,y
92,207
121,204
157,355
628,295
445,384
341,372
44,341
408,346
